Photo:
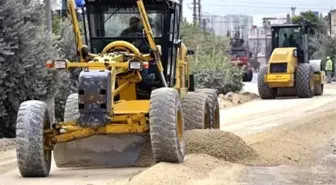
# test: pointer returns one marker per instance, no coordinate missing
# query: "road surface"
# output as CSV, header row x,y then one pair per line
x,y
258,122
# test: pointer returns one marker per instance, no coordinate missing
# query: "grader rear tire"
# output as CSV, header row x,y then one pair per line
x,y
196,111
166,126
265,92
305,81
32,158
213,105
71,112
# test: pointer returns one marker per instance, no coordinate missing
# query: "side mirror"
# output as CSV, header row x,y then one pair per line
x,y
190,52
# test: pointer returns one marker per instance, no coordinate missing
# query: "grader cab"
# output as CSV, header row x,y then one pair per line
x,y
290,72
134,90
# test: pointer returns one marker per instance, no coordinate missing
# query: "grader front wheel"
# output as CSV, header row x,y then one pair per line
x,y
166,126
33,159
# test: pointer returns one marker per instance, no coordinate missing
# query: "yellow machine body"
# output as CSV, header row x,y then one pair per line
x,y
124,137
286,78
289,70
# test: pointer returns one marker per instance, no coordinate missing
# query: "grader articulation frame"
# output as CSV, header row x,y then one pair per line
x,y
117,110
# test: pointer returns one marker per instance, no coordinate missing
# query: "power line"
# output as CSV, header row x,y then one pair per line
x,y
260,6
282,4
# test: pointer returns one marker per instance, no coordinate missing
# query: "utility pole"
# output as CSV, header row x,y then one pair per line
x,y
293,11
204,26
194,12
181,12
47,5
257,48
199,12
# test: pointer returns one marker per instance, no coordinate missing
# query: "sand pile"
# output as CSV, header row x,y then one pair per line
x,y
216,143
223,145
231,99
197,169
6,144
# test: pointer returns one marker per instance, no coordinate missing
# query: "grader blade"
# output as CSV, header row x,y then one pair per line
x,y
101,151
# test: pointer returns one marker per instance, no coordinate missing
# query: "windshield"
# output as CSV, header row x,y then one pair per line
x,y
238,53
287,37
114,22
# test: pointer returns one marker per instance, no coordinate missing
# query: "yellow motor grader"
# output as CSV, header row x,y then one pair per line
x,y
290,72
135,88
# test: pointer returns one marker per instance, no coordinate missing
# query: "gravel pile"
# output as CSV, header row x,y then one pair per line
x,y
216,143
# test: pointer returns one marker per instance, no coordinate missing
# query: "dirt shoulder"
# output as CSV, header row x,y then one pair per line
x,y
232,99
7,144
295,142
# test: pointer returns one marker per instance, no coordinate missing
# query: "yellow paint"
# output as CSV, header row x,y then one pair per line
x,y
320,77
108,129
132,107
78,36
279,77
284,55
121,45
99,65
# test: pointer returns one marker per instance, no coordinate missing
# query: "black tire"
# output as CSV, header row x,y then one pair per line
x,y
248,76
166,126
196,111
71,112
32,158
245,77
305,81
265,92
213,106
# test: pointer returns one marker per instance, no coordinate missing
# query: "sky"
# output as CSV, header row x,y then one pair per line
x,y
258,8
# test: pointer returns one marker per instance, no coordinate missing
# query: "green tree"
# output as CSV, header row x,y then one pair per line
x,y
24,48
318,42
314,22
66,44
210,62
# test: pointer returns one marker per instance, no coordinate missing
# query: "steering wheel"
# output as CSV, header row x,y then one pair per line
x,y
121,46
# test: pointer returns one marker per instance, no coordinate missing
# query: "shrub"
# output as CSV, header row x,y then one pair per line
x,y
210,64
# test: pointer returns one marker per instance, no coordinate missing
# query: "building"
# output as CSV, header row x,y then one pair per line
x,y
56,5
258,41
230,25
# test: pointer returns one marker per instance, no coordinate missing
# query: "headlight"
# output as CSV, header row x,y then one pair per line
x,y
135,65
50,63
60,64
